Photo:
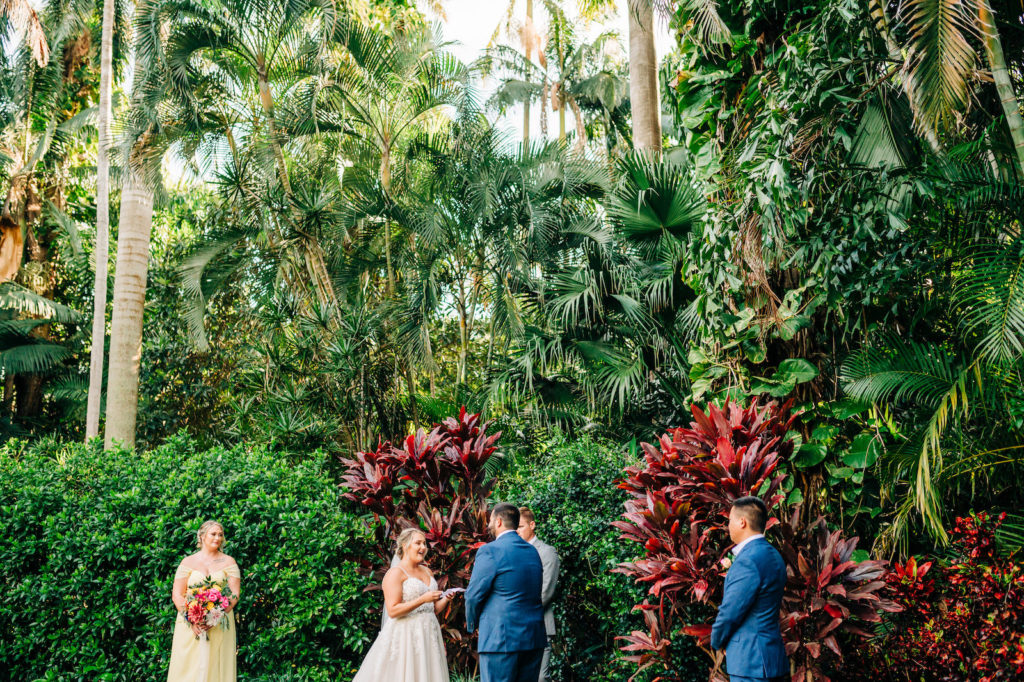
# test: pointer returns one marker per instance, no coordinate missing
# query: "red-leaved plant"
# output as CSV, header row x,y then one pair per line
x,y
436,481
679,510
963,619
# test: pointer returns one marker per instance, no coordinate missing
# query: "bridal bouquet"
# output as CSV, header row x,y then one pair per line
x,y
207,604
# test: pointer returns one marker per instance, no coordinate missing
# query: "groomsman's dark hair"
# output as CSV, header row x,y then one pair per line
x,y
754,510
508,513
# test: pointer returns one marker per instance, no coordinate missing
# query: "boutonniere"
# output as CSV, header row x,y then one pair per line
x,y
727,562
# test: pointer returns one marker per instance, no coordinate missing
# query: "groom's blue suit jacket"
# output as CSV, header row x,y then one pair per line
x,y
747,626
504,597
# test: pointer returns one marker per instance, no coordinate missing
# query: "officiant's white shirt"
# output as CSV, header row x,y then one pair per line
x,y
739,548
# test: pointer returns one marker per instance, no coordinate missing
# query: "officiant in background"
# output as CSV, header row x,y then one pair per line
x,y
550,564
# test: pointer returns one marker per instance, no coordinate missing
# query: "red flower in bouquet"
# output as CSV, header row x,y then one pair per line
x,y
207,604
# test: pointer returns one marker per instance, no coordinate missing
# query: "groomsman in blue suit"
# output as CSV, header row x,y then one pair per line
x,y
747,626
504,600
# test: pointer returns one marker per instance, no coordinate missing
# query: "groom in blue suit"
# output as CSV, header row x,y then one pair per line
x,y
504,599
747,626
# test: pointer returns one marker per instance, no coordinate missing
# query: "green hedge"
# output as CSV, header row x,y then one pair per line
x,y
89,542
571,488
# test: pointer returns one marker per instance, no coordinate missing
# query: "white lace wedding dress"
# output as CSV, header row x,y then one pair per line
x,y
410,648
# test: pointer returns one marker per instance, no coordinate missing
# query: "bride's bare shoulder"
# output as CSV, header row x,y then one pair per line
x,y
394,574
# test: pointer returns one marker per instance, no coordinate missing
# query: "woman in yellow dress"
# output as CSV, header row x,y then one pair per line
x,y
200,653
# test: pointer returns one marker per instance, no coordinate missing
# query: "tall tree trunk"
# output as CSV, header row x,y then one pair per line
x,y
581,128
99,320
129,303
410,379
645,98
313,252
544,110
1004,86
385,181
528,33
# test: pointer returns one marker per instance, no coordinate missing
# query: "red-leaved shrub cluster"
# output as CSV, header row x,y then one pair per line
x,y
678,510
963,619
437,481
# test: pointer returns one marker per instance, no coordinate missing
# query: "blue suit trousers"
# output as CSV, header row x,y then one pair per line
x,y
737,678
512,666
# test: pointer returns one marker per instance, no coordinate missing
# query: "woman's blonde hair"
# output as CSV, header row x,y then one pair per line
x,y
204,529
404,538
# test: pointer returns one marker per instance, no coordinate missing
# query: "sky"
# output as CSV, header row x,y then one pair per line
x,y
471,23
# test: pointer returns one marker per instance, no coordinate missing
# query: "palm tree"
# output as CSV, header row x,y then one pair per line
x,y
99,323
23,17
570,71
22,350
252,47
957,395
644,94
942,59
530,42
387,88
615,320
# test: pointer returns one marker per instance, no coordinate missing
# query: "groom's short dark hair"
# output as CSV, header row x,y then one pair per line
x,y
508,513
754,510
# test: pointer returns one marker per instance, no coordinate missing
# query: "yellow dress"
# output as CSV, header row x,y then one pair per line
x,y
207,659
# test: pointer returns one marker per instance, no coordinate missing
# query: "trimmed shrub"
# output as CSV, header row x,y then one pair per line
x,y
571,487
90,540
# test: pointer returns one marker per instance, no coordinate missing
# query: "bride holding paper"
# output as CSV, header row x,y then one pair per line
x,y
409,647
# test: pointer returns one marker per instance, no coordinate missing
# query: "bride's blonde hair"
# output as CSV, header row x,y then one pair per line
x,y
204,529
404,538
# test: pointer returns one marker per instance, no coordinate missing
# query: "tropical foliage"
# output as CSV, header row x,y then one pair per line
x,y
326,229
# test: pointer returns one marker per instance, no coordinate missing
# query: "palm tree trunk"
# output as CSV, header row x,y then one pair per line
x,y
410,379
643,77
544,111
129,303
1004,86
528,51
385,181
581,128
99,319
313,253
460,305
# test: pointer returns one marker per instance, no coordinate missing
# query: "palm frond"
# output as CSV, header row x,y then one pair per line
x,y
33,358
942,58
990,294
16,297
900,371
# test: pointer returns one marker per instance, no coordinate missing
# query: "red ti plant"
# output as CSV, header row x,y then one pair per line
x,y
436,481
679,509
828,595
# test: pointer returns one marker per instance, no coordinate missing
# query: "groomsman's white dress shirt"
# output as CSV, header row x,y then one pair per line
x,y
739,548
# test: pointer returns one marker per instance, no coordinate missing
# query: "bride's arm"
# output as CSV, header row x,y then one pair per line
x,y
397,608
178,592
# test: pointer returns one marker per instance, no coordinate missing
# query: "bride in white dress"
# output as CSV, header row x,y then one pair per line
x,y
409,647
